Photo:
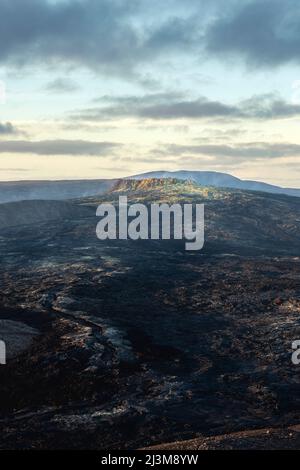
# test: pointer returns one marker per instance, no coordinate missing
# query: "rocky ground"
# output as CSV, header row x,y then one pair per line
x,y
139,342
261,439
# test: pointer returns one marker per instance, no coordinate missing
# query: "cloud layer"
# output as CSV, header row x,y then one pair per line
x,y
264,33
170,106
115,36
253,150
58,147
111,36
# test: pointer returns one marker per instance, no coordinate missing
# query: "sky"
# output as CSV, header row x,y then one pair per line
x,y
110,88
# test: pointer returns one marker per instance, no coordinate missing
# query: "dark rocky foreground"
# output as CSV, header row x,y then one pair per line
x,y
287,438
141,343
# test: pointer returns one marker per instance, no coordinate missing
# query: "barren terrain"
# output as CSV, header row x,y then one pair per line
x,y
140,342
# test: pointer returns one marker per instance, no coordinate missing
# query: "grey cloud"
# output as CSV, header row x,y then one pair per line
x,y
7,128
131,101
158,106
270,106
15,170
115,36
94,33
111,36
265,33
215,134
176,33
172,106
62,85
189,109
242,151
58,147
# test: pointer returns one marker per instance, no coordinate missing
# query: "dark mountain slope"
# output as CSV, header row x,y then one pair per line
x,y
139,342
35,212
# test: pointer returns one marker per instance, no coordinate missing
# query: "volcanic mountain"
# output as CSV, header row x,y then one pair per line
x,y
219,180
126,344
68,189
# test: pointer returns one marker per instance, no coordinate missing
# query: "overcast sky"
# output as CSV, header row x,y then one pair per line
x,y
109,88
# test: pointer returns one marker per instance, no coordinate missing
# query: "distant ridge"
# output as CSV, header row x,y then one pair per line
x,y
219,180
13,191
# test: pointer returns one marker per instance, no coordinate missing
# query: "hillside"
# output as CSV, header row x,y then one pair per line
x,y
235,220
21,213
129,344
219,180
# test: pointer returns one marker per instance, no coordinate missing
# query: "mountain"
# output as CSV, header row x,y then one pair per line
x,y
13,191
51,190
219,180
236,221
120,335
